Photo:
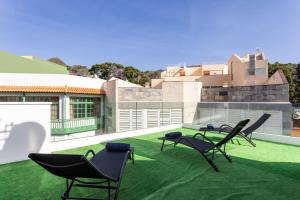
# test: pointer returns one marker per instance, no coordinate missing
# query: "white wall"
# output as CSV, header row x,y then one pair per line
x,y
86,141
15,79
24,128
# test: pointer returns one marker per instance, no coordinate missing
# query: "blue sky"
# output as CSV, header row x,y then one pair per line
x,y
150,34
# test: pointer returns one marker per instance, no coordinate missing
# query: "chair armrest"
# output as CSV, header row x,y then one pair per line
x,y
225,126
204,137
88,152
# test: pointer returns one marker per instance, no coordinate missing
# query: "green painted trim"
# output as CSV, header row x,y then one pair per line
x,y
85,109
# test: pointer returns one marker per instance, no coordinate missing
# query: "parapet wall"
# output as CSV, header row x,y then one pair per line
x,y
257,93
139,94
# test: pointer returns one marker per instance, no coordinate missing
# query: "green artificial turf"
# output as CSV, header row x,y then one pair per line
x,y
268,171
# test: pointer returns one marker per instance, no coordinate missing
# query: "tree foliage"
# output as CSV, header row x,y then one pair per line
x,y
57,61
132,74
108,70
78,70
291,73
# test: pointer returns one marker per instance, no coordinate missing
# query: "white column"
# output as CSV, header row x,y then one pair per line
x,y
64,106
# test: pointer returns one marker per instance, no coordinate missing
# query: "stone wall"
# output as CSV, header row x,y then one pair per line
x,y
258,93
139,94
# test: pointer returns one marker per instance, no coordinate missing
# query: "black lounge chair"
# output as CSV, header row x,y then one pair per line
x,y
205,146
106,166
246,133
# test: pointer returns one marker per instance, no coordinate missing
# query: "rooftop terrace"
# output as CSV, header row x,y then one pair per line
x,y
268,171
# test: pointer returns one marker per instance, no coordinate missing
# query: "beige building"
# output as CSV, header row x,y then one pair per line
x,y
209,75
251,69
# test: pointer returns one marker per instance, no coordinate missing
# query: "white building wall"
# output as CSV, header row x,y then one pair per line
x,y
15,79
24,129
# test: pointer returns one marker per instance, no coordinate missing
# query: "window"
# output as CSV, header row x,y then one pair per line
x,y
54,106
206,73
261,72
223,93
182,72
82,107
10,98
251,64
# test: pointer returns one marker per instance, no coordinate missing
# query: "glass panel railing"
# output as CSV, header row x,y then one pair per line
x,y
231,113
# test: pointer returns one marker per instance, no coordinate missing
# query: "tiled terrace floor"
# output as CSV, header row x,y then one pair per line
x,y
269,171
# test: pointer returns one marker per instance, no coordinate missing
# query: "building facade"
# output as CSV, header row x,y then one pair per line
x,y
249,70
88,106
77,103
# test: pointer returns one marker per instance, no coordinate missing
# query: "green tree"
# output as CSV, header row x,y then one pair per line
x,y
108,69
143,79
288,71
78,70
105,70
132,74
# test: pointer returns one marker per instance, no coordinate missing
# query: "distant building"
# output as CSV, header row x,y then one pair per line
x,y
251,69
209,75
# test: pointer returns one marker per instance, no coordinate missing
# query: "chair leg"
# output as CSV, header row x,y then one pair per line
x,y
68,189
117,191
213,155
108,184
225,155
132,157
210,162
251,142
248,140
162,146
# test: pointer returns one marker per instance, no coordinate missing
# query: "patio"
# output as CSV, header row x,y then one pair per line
x,y
269,171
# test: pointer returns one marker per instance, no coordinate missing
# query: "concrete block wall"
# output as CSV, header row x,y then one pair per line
x,y
258,93
139,94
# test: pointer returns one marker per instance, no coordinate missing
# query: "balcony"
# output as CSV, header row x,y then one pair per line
x,y
70,126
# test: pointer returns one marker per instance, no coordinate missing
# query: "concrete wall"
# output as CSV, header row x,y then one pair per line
x,y
126,84
187,93
85,141
24,129
214,80
258,93
139,94
218,113
156,83
111,106
181,78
